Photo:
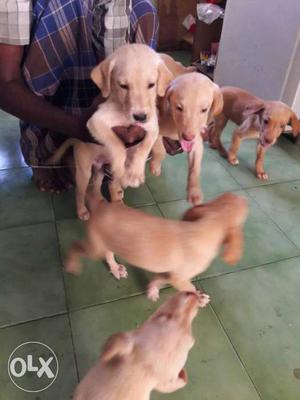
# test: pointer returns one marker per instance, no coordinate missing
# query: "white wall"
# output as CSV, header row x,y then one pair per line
x,y
257,44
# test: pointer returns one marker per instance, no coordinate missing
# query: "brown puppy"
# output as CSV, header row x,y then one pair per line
x,y
190,101
176,250
256,119
151,357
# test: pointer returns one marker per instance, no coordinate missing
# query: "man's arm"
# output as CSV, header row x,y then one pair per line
x,y
18,100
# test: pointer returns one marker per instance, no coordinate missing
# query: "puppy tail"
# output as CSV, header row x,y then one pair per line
x,y
58,155
118,345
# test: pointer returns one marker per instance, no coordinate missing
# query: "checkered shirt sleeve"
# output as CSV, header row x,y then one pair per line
x,y
15,17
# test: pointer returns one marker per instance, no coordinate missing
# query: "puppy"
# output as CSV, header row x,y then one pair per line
x,y
175,250
152,357
190,101
256,119
130,79
176,67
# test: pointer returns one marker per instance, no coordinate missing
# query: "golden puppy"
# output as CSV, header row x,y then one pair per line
x,y
176,67
189,103
131,79
256,119
152,357
175,250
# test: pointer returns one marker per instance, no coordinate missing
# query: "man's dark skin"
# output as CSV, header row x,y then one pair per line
x,y
18,100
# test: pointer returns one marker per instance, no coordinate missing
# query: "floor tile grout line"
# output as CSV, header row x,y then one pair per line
x,y
275,223
271,184
229,173
104,303
27,225
249,268
235,351
66,297
267,183
137,294
191,205
16,324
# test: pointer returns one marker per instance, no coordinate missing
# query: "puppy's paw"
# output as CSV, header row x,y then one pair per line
x,y
123,271
155,168
119,271
195,196
133,178
83,214
233,160
204,299
72,267
263,176
153,293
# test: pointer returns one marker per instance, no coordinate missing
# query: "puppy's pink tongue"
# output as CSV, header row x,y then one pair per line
x,y
187,145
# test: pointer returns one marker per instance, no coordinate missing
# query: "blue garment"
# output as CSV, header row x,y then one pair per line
x,y
61,54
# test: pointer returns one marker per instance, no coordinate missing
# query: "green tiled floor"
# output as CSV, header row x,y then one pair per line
x,y
248,339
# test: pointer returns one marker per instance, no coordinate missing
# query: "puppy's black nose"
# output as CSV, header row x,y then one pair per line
x,y
140,117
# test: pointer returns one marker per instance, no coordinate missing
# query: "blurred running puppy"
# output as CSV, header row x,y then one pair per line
x,y
191,100
152,357
176,250
256,119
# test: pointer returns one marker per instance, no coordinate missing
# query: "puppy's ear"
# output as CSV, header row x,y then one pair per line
x,y
164,78
165,102
118,345
254,108
233,245
101,75
295,123
218,103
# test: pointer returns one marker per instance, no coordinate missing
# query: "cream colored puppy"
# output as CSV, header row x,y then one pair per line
x,y
190,101
151,357
131,79
175,250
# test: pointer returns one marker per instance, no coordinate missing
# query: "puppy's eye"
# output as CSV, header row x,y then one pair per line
x,y
124,86
179,107
204,110
266,121
151,85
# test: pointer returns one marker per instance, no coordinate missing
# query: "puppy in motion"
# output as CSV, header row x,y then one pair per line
x,y
152,357
175,250
256,119
189,103
131,87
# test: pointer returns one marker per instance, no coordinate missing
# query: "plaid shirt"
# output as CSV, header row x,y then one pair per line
x,y
110,25
15,22
67,42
